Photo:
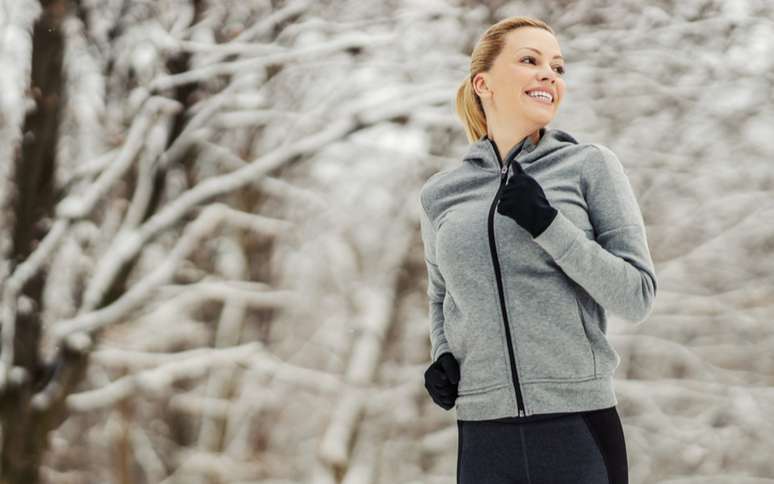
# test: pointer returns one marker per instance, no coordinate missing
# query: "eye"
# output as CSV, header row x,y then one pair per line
x,y
559,68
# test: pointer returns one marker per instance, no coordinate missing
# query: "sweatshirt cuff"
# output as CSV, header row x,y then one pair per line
x,y
559,236
441,349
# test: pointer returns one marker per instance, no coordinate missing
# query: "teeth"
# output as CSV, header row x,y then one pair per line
x,y
540,94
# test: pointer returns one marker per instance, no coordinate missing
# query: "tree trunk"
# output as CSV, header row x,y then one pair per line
x,y
25,425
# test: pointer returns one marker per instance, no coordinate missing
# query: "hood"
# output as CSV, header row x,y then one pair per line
x,y
482,152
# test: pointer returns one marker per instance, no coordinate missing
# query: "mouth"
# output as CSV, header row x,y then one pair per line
x,y
543,98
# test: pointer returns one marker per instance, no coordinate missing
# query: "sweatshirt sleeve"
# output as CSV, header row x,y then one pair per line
x,y
436,289
616,269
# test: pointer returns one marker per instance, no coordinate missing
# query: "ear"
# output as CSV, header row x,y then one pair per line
x,y
481,85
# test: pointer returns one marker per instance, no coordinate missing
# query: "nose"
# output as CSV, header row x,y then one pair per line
x,y
548,74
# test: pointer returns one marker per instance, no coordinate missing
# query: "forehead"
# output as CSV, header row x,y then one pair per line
x,y
534,37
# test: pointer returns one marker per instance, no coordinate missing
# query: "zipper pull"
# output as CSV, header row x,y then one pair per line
x,y
503,173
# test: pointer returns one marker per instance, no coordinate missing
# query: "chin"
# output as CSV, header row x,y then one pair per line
x,y
541,113
542,118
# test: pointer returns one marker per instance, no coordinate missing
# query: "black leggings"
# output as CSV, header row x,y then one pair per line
x,y
577,448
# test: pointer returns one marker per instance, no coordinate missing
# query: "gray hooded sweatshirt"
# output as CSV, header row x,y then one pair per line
x,y
526,318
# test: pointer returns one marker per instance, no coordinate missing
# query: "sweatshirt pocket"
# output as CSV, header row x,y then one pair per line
x,y
582,317
606,358
475,344
551,336
450,317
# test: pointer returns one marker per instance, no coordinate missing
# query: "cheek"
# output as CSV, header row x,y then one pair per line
x,y
560,88
512,89
518,74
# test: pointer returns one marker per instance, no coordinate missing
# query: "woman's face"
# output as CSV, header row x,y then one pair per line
x,y
520,68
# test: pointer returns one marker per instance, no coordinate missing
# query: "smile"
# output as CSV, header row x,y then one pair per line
x,y
541,98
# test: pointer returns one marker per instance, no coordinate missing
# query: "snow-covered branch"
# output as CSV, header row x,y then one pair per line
x,y
157,380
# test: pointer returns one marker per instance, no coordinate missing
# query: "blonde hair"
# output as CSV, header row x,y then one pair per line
x,y
469,107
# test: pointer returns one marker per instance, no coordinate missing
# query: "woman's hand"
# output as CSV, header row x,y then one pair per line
x,y
441,380
524,201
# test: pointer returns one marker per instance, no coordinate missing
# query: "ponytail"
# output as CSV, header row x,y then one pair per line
x,y
470,111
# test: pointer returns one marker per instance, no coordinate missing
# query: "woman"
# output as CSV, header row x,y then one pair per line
x,y
525,255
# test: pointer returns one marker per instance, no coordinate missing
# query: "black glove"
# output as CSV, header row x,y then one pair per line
x,y
524,201
441,380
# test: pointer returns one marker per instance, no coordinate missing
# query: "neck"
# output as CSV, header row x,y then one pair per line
x,y
507,139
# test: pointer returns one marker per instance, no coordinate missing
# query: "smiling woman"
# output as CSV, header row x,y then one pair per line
x,y
516,79
529,243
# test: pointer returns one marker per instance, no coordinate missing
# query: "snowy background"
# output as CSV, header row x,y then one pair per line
x,y
210,260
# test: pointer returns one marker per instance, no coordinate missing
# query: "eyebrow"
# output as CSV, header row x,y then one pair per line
x,y
532,48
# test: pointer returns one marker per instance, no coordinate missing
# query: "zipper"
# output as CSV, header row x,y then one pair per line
x,y
498,277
